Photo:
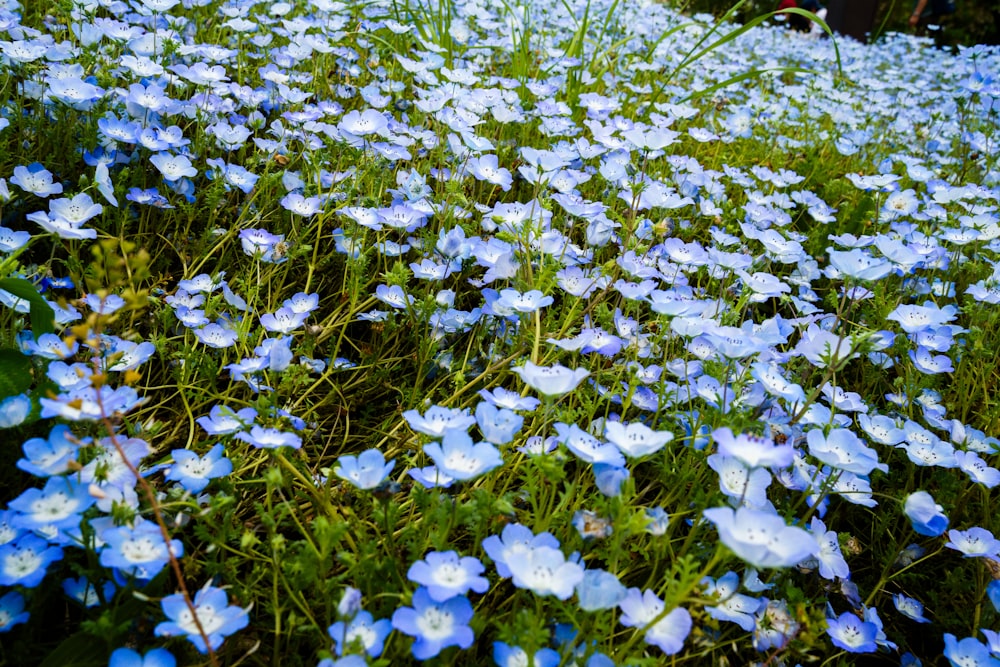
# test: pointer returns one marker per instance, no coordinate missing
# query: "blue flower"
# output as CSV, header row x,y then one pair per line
x,y
512,543
12,611
926,516
515,656
24,562
544,571
366,471
58,505
645,610
760,538
498,425
435,625
157,657
218,619
968,652
551,380
269,438
852,634
438,420
44,458
910,608
86,593
731,606
457,456
363,631
36,179
446,575
194,472
140,552
599,589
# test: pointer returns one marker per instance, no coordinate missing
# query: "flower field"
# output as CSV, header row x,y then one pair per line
x,y
556,332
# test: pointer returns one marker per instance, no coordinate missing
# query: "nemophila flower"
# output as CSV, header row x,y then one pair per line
x,y
852,634
58,505
435,625
283,320
47,457
977,469
86,593
992,640
223,420
14,410
157,657
913,318
636,439
11,240
362,631
931,364
12,611
365,471
843,450
657,521
505,655
609,478
910,608
754,451
445,574
830,558
193,472
49,346
974,543
775,383
544,570
761,538
587,447
438,420
498,425
173,167
639,609
83,404
216,335
431,477
823,348
104,304
926,516
503,398
487,168
513,543
858,264
458,457
36,179
741,484
551,381
269,438
24,561
125,355
599,589
775,625
263,245
218,619
968,652
139,551
731,606
394,296
526,302
302,303
302,206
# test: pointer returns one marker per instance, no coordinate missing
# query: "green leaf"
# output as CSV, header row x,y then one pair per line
x,y
15,373
43,318
76,651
